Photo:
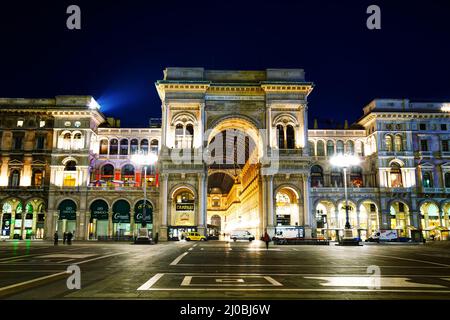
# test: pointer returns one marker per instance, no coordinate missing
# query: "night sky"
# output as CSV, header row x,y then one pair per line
x,y
124,46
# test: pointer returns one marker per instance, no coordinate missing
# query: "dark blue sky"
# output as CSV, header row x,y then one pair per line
x,y
124,46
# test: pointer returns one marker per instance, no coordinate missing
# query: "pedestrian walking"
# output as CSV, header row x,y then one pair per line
x,y
64,237
55,238
69,238
266,239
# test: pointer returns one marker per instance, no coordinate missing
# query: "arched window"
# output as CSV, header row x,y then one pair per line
x,y
356,177
362,152
398,143
154,146
189,139
107,172
337,179
67,141
290,136
312,151
388,142
70,179
128,173
350,147
14,179
330,148
104,147
114,147
77,136
340,147
123,147
134,146
38,178
447,179
71,166
320,148
316,177
280,136
396,176
427,179
144,146
179,135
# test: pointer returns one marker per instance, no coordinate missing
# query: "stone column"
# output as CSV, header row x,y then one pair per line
x,y
110,223
132,222
307,206
358,222
202,205
87,224
164,209
270,200
263,203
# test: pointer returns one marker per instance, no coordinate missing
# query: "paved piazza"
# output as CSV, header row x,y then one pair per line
x,y
223,270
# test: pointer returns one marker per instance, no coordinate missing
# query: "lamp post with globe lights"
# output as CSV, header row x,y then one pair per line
x,y
346,161
144,160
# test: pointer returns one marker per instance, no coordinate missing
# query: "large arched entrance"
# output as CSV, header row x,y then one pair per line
x,y
67,221
182,213
98,227
431,222
326,220
121,219
233,172
368,219
400,219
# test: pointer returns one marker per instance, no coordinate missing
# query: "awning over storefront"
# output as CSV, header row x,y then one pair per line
x,y
121,212
139,212
99,210
67,210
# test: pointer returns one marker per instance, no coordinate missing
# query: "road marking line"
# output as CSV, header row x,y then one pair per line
x,y
301,290
191,249
195,245
273,281
181,256
186,281
151,282
56,274
406,259
65,261
202,249
32,281
371,281
305,266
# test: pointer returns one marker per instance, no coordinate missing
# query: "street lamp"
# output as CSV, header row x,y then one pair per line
x,y
144,160
346,161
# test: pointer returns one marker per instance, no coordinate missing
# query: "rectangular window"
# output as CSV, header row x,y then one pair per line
x,y
423,145
445,146
41,124
18,141
20,123
423,127
443,127
40,143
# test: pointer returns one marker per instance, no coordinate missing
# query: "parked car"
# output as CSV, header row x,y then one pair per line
x,y
195,236
383,235
242,235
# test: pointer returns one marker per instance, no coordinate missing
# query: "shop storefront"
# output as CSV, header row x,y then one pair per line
x,y
98,225
139,215
67,217
184,221
6,225
121,219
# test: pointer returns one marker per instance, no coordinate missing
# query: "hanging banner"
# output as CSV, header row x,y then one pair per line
x,y
99,210
139,212
68,210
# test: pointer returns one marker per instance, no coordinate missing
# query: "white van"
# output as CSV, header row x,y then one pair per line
x,y
241,235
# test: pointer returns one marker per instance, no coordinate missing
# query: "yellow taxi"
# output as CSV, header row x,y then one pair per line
x,y
195,236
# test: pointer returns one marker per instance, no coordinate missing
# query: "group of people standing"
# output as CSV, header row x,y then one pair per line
x,y
67,238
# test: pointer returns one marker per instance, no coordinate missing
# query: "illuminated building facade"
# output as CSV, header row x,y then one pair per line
x,y
234,152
